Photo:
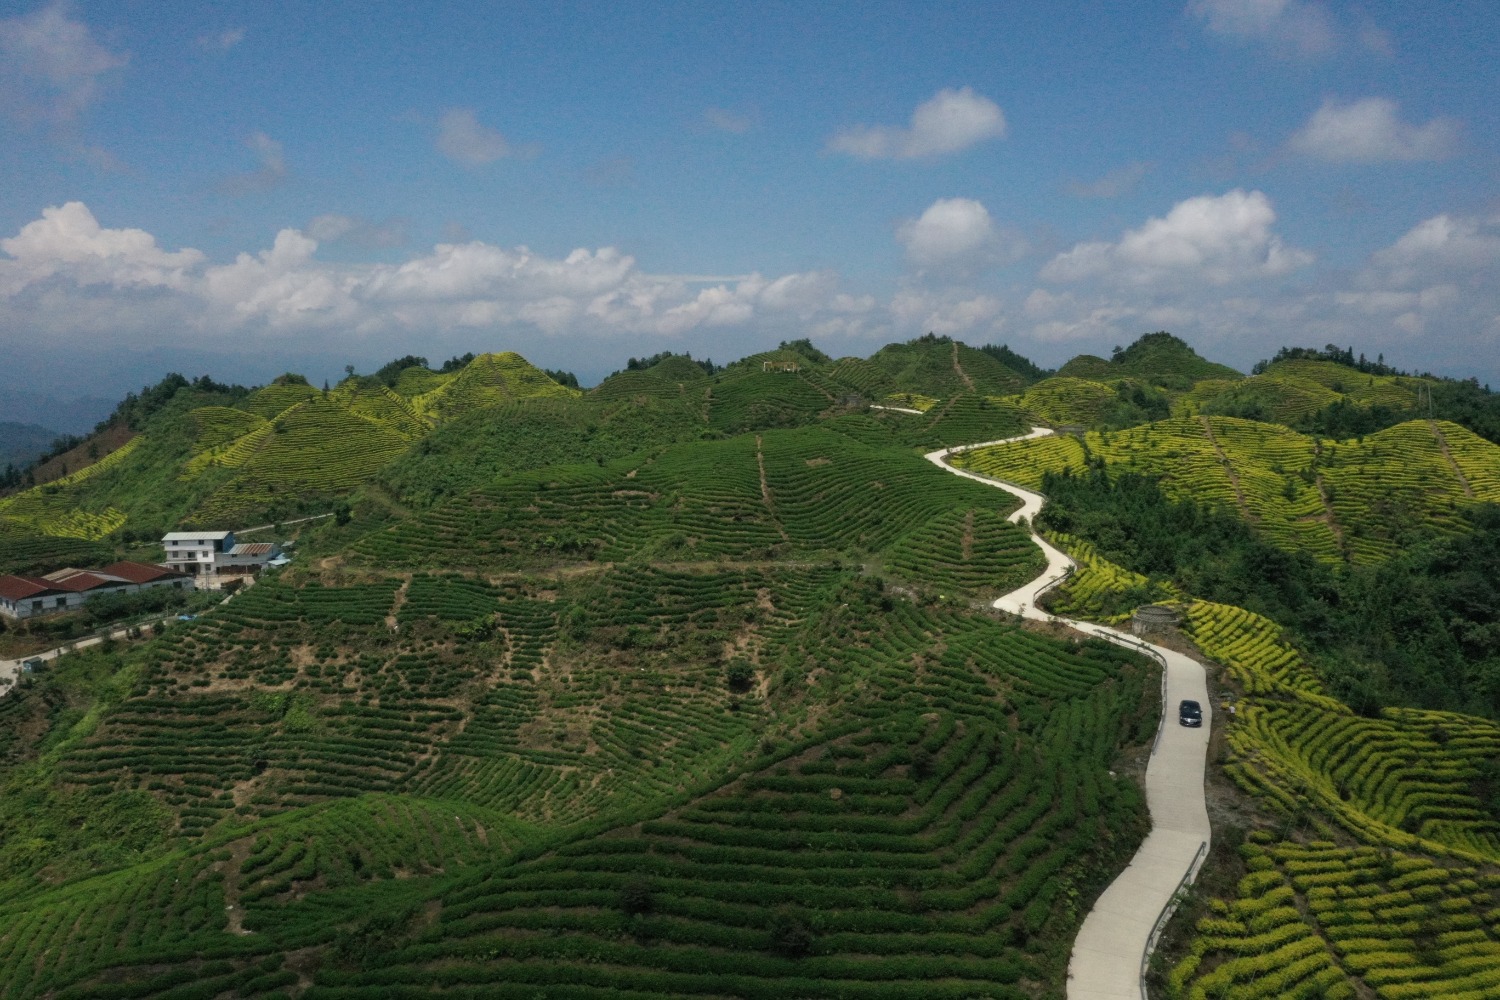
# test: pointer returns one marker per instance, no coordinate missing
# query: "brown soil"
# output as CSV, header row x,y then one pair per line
x,y
112,438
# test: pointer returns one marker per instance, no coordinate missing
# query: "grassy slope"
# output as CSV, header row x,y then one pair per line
x,y
1332,499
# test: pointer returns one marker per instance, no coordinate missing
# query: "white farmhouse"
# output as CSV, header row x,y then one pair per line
x,y
200,553
194,552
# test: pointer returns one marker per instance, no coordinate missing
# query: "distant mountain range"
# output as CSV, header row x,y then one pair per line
x,y
21,444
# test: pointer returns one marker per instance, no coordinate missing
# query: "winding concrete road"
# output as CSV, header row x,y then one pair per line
x,y
1110,952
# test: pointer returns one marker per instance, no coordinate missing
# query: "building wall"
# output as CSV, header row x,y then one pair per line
x,y
55,603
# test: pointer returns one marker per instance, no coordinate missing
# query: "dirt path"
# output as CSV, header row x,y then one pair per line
x,y
1234,479
958,369
1443,444
765,490
1331,519
1120,931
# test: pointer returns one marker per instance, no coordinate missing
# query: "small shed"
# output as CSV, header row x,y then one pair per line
x,y
1151,619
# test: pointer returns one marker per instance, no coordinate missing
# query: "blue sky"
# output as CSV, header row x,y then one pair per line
x,y
241,190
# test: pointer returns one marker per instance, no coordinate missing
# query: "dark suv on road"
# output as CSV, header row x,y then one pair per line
x,y
1190,713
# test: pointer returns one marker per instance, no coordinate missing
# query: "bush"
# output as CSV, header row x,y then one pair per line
x,y
739,675
636,897
789,935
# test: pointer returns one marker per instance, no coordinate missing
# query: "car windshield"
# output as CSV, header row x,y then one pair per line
x,y
1191,708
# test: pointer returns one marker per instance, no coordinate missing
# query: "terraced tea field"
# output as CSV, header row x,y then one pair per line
x,y
318,449
1331,499
810,490
55,508
1065,400
1319,920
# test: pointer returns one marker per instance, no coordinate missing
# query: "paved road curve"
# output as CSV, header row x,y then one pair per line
x,y
1110,950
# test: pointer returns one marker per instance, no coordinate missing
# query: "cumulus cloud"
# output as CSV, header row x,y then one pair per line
x,y
957,234
1214,239
1371,131
462,139
68,241
50,66
951,121
64,273
271,172
1291,25
221,41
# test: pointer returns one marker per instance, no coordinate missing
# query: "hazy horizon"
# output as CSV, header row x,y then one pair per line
x,y
247,192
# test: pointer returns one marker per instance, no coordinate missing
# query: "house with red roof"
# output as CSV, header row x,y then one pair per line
x,y
71,588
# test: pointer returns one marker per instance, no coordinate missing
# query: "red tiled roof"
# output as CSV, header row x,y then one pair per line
x,y
137,572
79,582
18,588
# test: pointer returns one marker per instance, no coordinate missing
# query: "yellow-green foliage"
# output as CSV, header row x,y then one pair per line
x,y
488,380
317,447
1399,474
1320,921
1396,392
1326,498
276,397
909,401
1401,780
220,425
1096,583
383,406
1252,647
1025,462
1284,399
1066,400
53,508
417,381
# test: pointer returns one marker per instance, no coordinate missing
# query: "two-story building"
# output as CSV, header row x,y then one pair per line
x,y
194,552
204,552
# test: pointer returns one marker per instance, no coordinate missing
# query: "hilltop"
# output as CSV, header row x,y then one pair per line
x,y
686,683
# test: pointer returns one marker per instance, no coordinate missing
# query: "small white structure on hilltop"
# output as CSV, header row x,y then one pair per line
x,y
200,553
67,589
780,366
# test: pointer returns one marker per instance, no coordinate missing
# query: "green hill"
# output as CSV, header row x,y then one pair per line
x,y
1158,358
687,685
1334,500
938,366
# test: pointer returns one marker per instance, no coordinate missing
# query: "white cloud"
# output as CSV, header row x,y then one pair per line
x,y
1120,181
271,172
462,139
68,241
1214,239
221,41
1291,25
1435,250
951,121
957,234
285,289
50,66
1371,131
